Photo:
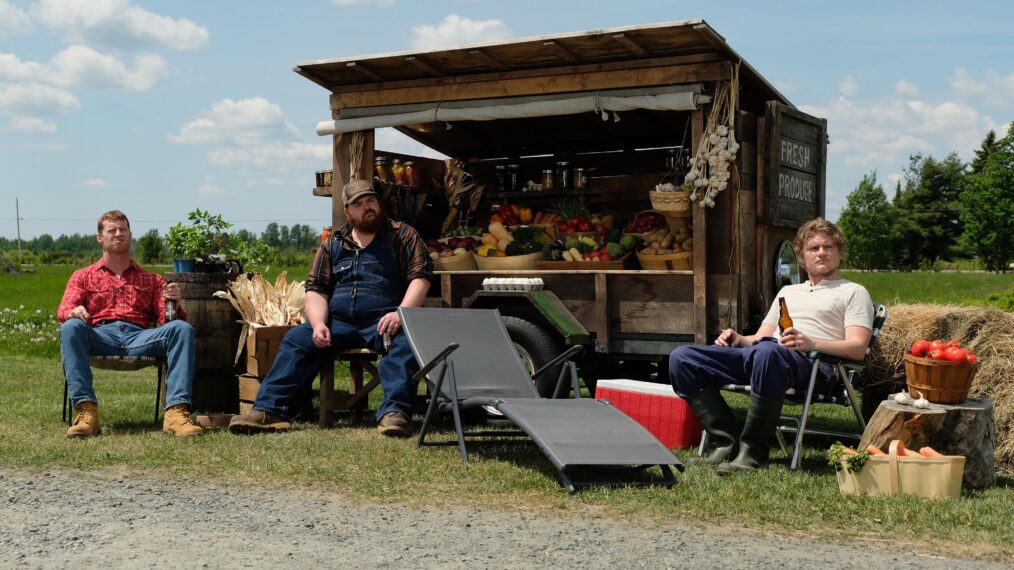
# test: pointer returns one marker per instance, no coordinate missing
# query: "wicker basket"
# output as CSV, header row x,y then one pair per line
x,y
670,201
509,263
681,260
456,262
939,381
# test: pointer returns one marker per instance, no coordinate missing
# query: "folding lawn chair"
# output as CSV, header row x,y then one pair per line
x,y
469,361
838,390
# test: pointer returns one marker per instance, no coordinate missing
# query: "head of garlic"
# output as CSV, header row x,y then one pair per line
x,y
903,398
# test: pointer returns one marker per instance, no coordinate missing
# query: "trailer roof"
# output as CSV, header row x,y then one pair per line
x,y
608,45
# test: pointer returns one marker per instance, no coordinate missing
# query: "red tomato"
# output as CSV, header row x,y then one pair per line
x,y
562,227
605,257
920,348
955,354
937,354
937,345
585,226
970,359
953,342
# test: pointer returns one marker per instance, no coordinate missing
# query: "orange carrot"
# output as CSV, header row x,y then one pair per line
x,y
930,452
904,452
874,450
849,451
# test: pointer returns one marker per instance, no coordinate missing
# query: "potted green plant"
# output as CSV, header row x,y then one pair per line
x,y
209,247
185,245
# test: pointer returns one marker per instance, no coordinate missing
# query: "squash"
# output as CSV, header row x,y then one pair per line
x,y
499,231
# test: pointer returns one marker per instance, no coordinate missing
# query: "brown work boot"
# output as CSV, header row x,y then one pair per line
x,y
257,421
394,424
86,422
178,422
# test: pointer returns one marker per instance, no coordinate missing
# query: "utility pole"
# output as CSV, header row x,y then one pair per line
x,y
17,219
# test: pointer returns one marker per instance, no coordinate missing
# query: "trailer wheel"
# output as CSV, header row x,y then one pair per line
x,y
536,348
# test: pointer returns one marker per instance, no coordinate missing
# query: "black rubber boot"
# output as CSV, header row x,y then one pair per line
x,y
755,441
718,421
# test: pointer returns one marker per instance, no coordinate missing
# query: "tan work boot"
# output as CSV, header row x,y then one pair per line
x,y
86,422
257,421
394,424
177,421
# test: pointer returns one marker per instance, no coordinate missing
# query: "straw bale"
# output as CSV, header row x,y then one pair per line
x,y
986,330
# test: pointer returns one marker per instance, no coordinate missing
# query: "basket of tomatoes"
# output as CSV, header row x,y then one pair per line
x,y
941,371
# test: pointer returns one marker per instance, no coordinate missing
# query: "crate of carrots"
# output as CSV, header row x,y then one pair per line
x,y
899,471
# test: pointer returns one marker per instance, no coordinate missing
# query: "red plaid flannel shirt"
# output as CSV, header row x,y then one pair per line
x,y
136,297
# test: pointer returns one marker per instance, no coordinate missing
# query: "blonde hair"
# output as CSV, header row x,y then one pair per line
x,y
814,227
113,216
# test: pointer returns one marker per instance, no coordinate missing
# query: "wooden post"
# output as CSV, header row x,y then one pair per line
x,y
700,244
341,169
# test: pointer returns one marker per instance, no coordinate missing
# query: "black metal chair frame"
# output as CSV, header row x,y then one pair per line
x,y
839,391
123,364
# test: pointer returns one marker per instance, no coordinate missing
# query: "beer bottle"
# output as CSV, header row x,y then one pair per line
x,y
784,320
170,310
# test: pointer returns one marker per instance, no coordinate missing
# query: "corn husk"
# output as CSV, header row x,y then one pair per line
x,y
261,303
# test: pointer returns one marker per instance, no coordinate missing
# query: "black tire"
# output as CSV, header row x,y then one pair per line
x,y
536,348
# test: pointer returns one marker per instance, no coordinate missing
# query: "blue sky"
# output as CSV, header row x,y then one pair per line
x,y
159,107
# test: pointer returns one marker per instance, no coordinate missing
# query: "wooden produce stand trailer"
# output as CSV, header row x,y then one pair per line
x,y
498,104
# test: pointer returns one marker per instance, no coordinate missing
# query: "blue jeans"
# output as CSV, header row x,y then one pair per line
x,y
173,341
768,367
298,361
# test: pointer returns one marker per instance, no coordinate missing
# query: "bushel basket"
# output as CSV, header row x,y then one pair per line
x,y
939,381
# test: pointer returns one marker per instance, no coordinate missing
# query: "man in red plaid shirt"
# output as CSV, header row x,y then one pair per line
x,y
107,310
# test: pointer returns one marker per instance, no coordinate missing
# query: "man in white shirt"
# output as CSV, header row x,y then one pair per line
x,y
829,314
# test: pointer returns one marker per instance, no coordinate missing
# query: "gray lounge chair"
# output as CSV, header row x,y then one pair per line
x,y
468,361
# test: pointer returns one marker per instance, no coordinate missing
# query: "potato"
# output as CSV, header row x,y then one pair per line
x,y
668,241
688,244
650,250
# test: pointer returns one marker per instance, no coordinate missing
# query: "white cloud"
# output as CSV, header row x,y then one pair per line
x,y
119,23
31,125
848,86
250,132
241,122
274,182
81,65
33,98
95,183
994,88
787,87
455,30
381,3
13,20
893,179
208,189
906,89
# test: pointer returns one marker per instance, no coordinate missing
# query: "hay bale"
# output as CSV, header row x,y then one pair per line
x,y
986,330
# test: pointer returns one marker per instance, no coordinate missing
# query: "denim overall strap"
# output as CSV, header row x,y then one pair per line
x,y
368,282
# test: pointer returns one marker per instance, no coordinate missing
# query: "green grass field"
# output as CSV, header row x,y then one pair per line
x,y
354,459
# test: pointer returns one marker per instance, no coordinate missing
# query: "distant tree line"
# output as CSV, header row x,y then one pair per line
x,y
287,244
943,210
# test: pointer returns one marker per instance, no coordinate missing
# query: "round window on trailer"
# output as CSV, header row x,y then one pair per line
x,y
787,270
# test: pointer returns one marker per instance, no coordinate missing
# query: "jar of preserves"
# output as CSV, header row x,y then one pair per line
x,y
513,177
327,178
412,176
547,180
500,171
381,168
563,175
580,179
398,172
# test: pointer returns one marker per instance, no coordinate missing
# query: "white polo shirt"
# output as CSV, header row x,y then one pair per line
x,y
823,311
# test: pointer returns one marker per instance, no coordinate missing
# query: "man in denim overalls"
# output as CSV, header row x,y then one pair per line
x,y
359,278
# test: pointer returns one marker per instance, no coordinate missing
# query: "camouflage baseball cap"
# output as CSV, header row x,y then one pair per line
x,y
356,189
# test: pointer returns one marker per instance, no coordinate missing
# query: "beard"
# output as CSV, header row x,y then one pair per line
x,y
368,223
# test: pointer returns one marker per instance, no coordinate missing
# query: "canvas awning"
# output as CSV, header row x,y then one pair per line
x,y
672,98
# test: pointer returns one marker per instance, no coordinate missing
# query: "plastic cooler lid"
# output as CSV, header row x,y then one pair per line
x,y
638,386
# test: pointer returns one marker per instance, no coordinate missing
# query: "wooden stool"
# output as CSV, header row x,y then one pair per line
x,y
360,360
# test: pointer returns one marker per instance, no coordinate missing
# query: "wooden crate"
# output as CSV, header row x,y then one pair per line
x,y
261,346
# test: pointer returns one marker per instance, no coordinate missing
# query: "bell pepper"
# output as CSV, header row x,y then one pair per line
x,y
496,218
510,217
525,215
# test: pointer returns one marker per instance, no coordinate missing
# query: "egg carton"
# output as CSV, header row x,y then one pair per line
x,y
513,284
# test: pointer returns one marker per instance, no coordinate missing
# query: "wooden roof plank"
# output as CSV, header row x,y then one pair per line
x,y
488,59
562,51
365,70
632,46
424,66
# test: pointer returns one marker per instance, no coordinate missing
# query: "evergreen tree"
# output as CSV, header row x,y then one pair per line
x,y
284,238
866,221
150,246
989,145
987,207
271,235
929,207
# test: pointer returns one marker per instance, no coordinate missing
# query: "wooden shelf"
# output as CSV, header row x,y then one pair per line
x,y
324,191
539,194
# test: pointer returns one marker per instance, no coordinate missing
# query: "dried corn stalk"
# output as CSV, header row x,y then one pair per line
x,y
258,302
462,191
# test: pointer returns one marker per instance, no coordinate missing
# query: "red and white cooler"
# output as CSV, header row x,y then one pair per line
x,y
656,407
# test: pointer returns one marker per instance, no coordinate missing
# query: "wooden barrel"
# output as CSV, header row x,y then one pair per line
x,y
216,325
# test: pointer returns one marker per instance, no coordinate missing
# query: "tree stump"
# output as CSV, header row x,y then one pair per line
x,y
961,429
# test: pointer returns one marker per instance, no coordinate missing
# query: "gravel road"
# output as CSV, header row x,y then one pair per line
x,y
62,519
